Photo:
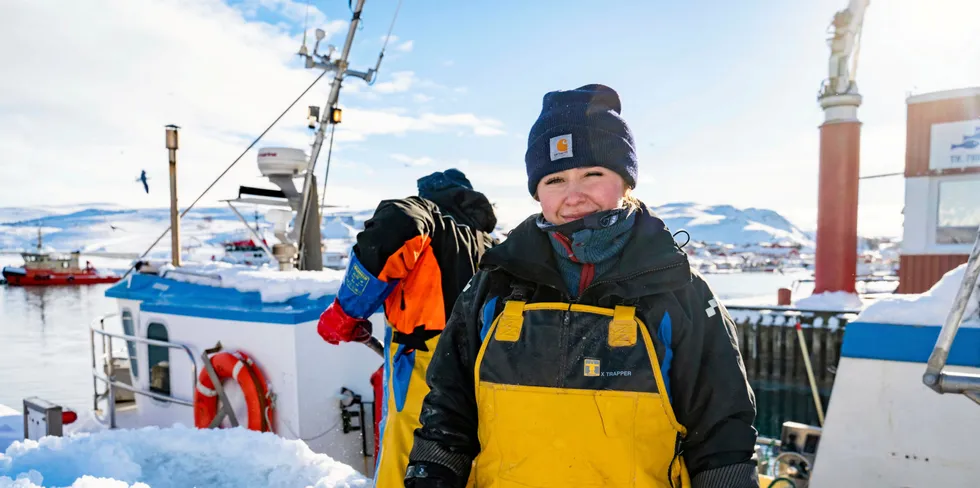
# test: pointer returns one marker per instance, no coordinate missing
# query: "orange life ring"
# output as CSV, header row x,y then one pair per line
x,y
258,398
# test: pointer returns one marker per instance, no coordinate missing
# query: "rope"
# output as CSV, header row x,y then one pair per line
x,y
323,195
384,46
268,420
391,27
223,173
883,175
308,439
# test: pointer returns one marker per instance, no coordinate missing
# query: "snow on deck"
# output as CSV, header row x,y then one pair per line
x,y
835,300
929,308
172,457
273,285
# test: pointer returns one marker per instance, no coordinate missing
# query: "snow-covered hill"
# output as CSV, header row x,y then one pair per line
x,y
107,228
114,229
729,225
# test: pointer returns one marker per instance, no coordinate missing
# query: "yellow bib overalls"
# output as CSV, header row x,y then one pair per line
x,y
573,396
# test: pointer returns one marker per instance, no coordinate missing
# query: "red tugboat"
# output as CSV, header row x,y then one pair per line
x,y
46,269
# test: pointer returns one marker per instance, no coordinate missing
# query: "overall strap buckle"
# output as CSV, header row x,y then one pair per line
x,y
622,328
511,322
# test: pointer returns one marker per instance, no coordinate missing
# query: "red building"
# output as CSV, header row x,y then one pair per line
x,y
942,185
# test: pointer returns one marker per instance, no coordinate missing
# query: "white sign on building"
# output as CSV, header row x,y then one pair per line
x,y
955,145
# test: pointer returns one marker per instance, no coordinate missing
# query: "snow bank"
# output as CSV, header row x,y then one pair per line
x,y
174,457
273,285
929,308
835,300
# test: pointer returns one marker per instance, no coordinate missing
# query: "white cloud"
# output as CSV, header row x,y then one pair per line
x,y
401,81
410,161
360,124
123,72
296,11
390,39
447,63
481,126
406,46
487,130
421,98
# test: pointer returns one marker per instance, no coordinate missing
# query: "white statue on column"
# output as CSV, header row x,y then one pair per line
x,y
846,30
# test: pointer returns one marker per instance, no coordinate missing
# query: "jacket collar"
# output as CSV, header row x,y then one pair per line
x,y
651,262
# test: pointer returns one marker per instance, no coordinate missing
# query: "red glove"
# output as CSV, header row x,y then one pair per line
x,y
336,326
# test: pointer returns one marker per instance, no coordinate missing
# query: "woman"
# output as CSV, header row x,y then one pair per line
x,y
586,352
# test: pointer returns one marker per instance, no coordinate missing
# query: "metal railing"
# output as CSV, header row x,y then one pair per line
x,y
949,381
865,280
774,360
109,378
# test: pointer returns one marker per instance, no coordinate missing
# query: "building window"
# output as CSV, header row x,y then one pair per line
x,y
129,329
158,359
959,212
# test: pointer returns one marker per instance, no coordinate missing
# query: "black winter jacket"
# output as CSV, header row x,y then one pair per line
x,y
455,225
710,394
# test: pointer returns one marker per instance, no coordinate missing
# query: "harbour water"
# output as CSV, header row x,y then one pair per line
x,y
44,335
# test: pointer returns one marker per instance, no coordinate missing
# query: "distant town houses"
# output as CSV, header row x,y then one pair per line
x,y
876,257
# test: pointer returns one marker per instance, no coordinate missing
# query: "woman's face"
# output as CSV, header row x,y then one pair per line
x,y
574,193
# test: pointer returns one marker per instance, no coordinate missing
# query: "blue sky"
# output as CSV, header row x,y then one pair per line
x,y
721,96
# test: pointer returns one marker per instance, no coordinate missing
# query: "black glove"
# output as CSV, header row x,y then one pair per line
x,y
429,475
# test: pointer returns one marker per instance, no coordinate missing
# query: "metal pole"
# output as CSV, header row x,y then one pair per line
x,y
324,121
95,383
174,218
111,373
809,372
937,360
375,346
258,238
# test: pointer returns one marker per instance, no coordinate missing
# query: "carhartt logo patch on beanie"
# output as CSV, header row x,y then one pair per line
x,y
580,128
561,147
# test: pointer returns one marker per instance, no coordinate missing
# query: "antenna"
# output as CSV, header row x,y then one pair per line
x,y
309,255
306,18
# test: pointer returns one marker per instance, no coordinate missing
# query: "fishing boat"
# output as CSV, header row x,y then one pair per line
x,y
245,251
49,269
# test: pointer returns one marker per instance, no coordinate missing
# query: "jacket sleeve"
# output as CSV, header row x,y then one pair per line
x,y
399,229
711,394
448,436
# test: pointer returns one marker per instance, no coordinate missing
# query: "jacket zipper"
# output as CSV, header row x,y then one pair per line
x,y
562,348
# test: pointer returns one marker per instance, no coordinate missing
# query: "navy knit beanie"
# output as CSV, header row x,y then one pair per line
x,y
580,128
442,180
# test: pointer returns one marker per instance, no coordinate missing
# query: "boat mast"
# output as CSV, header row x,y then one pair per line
x,y
310,256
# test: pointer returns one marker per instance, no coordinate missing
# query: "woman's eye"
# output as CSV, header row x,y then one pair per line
x,y
594,173
552,181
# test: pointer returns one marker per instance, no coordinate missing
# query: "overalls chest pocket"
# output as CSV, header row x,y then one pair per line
x,y
570,395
